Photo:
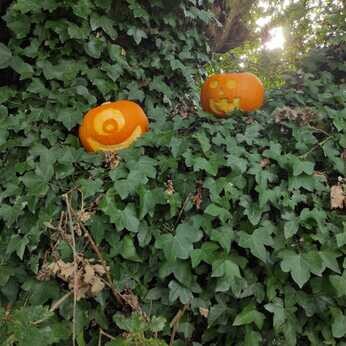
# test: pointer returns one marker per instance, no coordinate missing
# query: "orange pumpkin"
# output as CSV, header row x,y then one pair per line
x,y
222,93
112,126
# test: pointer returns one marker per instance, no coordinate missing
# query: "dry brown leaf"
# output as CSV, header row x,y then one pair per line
x,y
169,187
131,300
89,274
66,270
264,162
99,269
337,197
97,286
204,312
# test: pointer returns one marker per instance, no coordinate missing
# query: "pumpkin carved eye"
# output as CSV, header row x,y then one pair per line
x,y
112,126
223,93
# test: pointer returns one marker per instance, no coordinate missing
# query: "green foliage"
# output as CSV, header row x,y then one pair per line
x,y
227,215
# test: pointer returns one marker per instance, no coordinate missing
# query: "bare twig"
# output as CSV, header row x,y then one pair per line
x,y
303,156
182,209
60,301
93,245
106,334
75,269
175,322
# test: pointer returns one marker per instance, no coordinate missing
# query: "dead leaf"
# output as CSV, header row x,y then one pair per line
x,y
204,312
264,163
100,269
97,286
131,300
337,197
89,274
169,187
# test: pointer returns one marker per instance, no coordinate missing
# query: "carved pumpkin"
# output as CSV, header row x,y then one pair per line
x,y
112,126
222,93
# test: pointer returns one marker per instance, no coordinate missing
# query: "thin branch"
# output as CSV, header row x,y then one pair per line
x,y
182,209
175,322
106,334
303,156
97,251
60,301
54,307
75,269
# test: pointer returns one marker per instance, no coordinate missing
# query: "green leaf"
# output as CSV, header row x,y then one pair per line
x,y
297,266
134,324
338,324
329,259
129,250
18,245
339,283
227,271
249,315
105,23
205,253
95,47
135,92
70,117
278,310
181,244
252,338
217,211
257,241
91,187
5,56
22,68
224,236
137,34
82,8
177,291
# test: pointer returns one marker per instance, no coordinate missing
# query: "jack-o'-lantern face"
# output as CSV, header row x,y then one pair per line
x,y
112,126
223,93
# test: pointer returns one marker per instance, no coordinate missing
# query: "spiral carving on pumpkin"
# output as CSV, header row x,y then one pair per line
x,y
112,126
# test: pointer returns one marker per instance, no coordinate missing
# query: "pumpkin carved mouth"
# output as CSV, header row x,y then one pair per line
x,y
224,105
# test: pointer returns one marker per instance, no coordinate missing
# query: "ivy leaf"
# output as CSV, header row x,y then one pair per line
x,y
338,324
278,310
82,8
256,242
135,92
18,245
91,187
129,250
95,47
252,338
133,324
105,23
297,266
181,244
224,236
205,253
217,211
22,68
137,34
249,315
227,271
177,291
70,117
138,10
5,56
339,283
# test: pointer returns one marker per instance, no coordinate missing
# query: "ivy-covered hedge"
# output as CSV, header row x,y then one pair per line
x,y
223,227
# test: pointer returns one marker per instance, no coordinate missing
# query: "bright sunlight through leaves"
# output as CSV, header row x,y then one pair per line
x,y
277,39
